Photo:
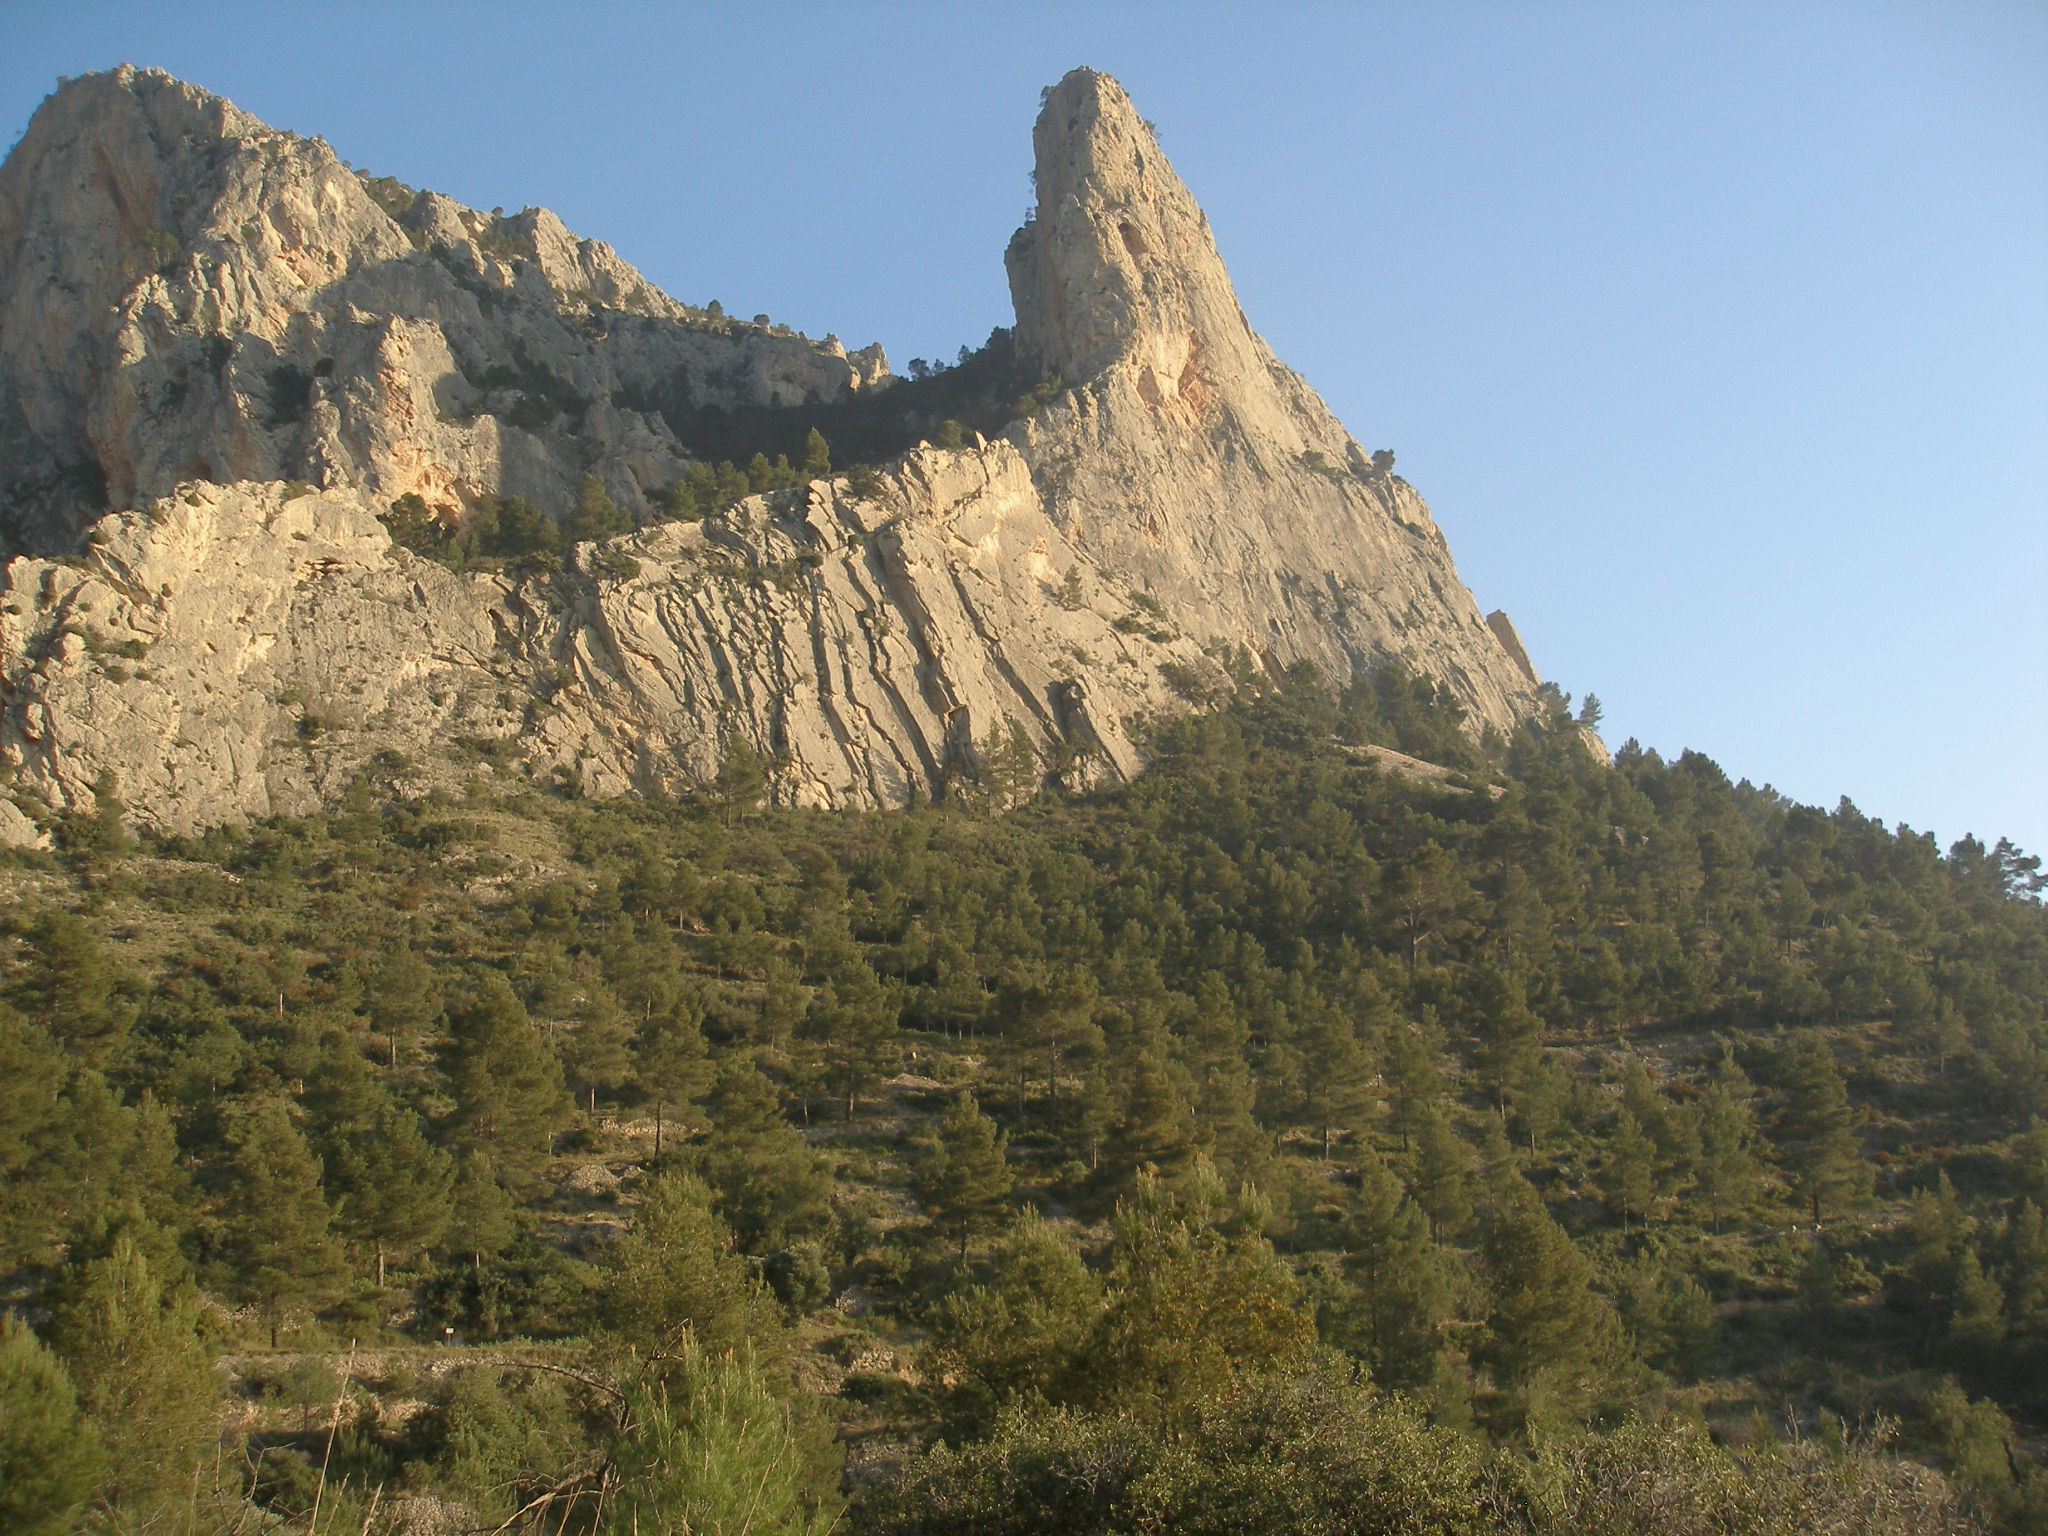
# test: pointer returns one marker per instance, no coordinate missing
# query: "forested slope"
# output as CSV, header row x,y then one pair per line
x,y
1289,1140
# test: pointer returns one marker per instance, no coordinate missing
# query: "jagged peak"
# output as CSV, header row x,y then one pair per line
x,y
155,89
1504,631
181,120
121,166
1117,267
188,293
165,157
1263,518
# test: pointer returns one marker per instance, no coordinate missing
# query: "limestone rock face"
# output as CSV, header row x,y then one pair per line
x,y
1190,460
223,354
188,294
209,649
1510,640
241,651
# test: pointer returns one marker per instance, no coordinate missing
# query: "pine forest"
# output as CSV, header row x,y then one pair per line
x,y
1343,1127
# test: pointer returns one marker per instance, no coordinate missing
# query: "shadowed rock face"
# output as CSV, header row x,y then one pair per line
x,y
197,311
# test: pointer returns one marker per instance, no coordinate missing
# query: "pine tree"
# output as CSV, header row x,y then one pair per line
x,y
1509,1030
2030,1163
706,1444
483,1219
671,1065
965,1178
1190,1311
394,1185
1282,1071
957,999
1547,1328
1726,1126
741,781
75,989
780,1007
154,1194
1937,1232
1020,1334
34,1111
1088,1115
1414,1077
1816,1128
1538,1096
339,1096
817,455
507,1085
1429,901
675,1273
1400,1297
1048,1023
1672,1135
278,1240
849,1030
1628,1181
100,835
1671,1317
1976,1438
1150,1132
1977,1321
50,1460
401,1001
98,1164
105,1163
1824,1269
1442,1182
1337,1076
145,1379
2026,1276
584,1015
1213,1045
766,1179
594,515
1599,983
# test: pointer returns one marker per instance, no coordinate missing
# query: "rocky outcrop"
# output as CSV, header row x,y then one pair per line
x,y
249,350
242,651
1190,460
1510,640
188,294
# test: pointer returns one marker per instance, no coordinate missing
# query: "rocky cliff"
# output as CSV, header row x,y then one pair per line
x,y
186,294
247,351
240,651
1190,459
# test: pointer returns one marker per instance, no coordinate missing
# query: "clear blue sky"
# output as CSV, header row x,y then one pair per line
x,y
1715,333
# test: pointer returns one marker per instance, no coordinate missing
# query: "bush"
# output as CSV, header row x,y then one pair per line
x,y
799,1276
1318,1454
1325,1453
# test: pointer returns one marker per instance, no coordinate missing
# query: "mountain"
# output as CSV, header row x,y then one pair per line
x,y
1371,1116
187,294
231,367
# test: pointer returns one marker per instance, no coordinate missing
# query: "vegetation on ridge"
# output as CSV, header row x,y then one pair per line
x,y
746,453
